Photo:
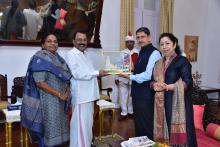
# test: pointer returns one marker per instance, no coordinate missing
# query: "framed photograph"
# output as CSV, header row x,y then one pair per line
x,y
62,17
191,47
117,62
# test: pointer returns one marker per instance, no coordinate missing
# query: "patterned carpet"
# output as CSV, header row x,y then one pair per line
x,y
108,141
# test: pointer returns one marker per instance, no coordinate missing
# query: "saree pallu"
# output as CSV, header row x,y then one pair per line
x,y
31,112
177,135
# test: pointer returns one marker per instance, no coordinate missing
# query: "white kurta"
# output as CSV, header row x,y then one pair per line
x,y
84,90
125,89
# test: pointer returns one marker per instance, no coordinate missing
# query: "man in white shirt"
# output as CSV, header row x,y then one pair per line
x,y
34,22
84,91
124,84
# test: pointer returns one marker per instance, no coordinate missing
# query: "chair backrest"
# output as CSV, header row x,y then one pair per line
x,y
99,83
3,87
107,90
18,87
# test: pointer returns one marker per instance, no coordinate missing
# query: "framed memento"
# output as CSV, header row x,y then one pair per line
x,y
117,62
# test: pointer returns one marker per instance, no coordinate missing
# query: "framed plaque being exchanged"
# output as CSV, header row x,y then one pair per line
x,y
117,62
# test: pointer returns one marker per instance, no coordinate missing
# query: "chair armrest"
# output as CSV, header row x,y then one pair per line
x,y
108,90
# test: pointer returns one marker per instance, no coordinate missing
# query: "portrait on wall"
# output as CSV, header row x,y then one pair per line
x,y
191,47
29,20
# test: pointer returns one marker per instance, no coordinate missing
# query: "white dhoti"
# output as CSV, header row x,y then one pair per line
x,y
81,125
125,98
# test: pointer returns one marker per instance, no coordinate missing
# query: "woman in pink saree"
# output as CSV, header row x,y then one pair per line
x,y
173,111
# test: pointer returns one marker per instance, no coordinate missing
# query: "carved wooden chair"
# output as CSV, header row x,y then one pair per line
x,y
3,87
3,96
101,90
14,116
18,87
104,106
17,91
104,94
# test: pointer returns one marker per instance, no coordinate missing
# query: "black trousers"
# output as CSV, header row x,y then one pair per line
x,y
143,117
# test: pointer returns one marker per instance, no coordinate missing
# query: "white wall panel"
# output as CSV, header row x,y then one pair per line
x,y
201,18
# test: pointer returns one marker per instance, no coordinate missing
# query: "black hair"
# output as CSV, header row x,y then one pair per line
x,y
14,3
32,4
14,6
173,39
79,31
44,37
143,29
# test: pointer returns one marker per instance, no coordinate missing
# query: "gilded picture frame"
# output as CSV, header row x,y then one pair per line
x,y
83,15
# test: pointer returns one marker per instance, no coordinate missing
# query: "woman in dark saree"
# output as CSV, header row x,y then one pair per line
x,y
173,111
46,90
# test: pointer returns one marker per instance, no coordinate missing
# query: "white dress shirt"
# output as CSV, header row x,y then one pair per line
x,y
146,75
84,85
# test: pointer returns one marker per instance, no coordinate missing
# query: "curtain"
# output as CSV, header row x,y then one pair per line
x,y
127,20
166,15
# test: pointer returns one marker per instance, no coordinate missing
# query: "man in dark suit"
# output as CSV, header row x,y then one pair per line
x,y
142,95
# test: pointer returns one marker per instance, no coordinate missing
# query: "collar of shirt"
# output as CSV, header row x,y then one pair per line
x,y
134,50
77,51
